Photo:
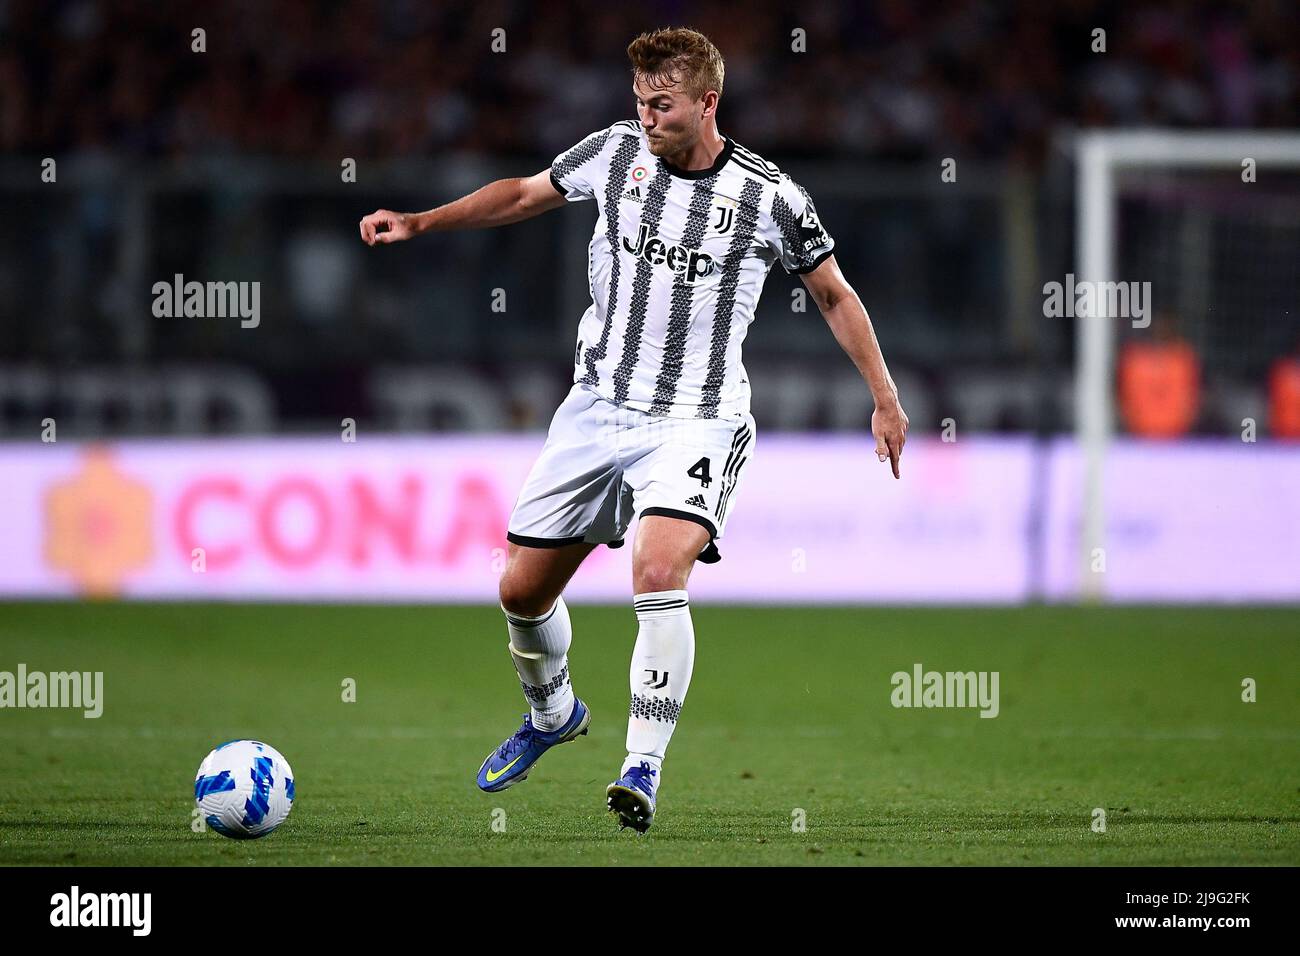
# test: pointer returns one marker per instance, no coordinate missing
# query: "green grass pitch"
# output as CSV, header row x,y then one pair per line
x,y
1135,710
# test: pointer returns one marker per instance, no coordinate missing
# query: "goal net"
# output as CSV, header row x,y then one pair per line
x,y
1200,231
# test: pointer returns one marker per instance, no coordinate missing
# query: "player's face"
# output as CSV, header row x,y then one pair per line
x,y
670,118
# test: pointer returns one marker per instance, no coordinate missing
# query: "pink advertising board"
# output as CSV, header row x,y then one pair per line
x,y
816,520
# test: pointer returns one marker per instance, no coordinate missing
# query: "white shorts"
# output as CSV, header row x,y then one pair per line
x,y
602,463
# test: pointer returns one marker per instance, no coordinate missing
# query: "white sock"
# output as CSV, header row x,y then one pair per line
x,y
539,647
660,674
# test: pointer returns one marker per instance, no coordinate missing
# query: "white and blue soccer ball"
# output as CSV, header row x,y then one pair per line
x,y
244,789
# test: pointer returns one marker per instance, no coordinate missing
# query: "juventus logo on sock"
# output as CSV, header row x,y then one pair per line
x,y
664,652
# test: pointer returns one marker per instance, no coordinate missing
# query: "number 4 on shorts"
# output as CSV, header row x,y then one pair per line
x,y
700,470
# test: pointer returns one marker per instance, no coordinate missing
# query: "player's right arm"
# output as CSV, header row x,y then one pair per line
x,y
499,203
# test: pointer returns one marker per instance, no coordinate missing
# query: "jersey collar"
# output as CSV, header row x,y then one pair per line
x,y
728,145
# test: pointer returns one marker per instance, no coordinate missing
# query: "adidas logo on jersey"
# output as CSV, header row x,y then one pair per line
x,y
697,501
633,194
689,264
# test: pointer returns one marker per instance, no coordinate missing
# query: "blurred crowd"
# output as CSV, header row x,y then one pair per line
x,y
470,90
889,78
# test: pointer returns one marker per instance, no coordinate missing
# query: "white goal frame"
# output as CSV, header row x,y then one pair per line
x,y
1098,155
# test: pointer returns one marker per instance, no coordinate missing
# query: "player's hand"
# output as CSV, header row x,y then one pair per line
x,y
382,225
889,425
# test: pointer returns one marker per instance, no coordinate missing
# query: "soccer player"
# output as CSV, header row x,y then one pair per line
x,y
689,223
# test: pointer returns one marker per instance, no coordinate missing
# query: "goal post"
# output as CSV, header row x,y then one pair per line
x,y
1101,157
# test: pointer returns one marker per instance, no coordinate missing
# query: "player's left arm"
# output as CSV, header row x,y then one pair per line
x,y
848,319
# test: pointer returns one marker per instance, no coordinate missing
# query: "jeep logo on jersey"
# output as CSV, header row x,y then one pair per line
x,y
690,265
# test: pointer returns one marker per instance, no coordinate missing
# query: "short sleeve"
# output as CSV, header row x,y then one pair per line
x,y
574,172
802,241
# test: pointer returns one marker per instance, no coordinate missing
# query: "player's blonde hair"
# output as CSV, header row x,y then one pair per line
x,y
677,54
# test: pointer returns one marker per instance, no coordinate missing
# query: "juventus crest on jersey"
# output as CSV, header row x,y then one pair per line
x,y
676,265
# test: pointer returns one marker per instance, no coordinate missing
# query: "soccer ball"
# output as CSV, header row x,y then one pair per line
x,y
244,789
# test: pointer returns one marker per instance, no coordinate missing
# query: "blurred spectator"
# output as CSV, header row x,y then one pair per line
x,y
382,79
1159,382
1284,396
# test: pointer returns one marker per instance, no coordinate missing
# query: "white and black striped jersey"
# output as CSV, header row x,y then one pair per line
x,y
675,267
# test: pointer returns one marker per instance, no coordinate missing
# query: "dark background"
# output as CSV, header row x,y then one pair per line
x,y
225,165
